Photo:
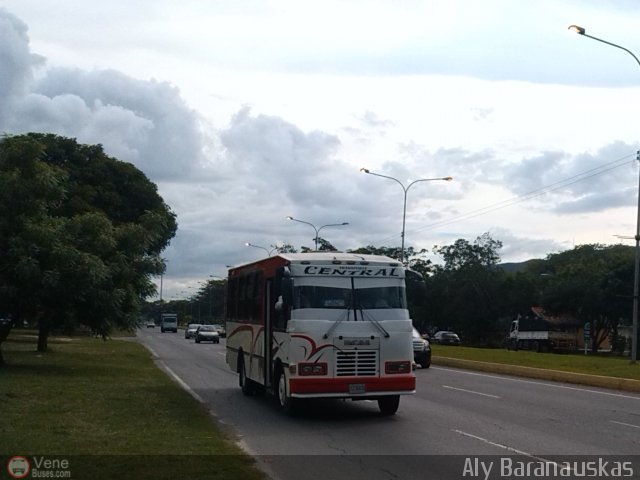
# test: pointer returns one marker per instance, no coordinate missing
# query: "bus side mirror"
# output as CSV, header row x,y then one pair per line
x,y
283,288
279,304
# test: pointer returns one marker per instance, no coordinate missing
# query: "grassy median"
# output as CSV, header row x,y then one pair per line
x,y
107,407
609,366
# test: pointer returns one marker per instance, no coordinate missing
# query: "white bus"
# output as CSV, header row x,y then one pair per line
x,y
321,325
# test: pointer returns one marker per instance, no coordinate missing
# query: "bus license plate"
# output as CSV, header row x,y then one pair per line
x,y
356,388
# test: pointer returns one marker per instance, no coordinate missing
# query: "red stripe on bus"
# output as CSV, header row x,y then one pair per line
x,y
341,385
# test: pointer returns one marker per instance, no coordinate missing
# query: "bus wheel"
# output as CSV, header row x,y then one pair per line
x,y
286,402
389,405
247,385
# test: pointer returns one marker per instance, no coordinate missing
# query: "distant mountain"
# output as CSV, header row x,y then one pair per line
x,y
514,267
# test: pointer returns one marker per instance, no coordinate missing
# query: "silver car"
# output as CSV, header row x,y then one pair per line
x,y
190,331
207,333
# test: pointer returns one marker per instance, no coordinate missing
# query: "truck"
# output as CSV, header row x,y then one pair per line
x,y
169,322
532,332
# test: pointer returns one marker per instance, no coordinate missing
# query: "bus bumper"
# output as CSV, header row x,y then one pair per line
x,y
352,387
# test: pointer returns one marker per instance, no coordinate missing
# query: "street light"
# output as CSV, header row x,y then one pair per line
x,y
269,252
404,208
317,229
636,275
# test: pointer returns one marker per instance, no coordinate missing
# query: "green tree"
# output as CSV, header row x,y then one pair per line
x,y
465,292
84,234
285,248
592,283
323,246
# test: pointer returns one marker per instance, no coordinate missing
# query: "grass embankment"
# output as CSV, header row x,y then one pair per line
x,y
108,400
618,367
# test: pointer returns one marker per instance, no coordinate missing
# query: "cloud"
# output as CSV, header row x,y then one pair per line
x,y
143,122
274,156
516,248
583,183
17,62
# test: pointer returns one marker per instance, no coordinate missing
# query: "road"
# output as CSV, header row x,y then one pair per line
x,y
456,417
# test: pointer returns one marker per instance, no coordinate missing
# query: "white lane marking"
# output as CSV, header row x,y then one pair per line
x,y
470,391
489,442
153,352
625,424
536,383
183,384
506,447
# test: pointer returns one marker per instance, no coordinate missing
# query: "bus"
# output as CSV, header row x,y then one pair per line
x,y
321,325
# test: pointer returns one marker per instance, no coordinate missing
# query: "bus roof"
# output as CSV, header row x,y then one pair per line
x,y
320,258
329,257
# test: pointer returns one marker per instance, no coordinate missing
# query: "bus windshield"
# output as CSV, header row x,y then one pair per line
x,y
314,296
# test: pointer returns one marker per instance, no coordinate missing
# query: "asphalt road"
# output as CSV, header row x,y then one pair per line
x,y
456,419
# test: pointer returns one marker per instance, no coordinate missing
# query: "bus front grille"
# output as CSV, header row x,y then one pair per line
x,y
356,363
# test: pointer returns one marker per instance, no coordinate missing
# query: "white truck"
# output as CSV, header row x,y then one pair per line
x,y
531,332
169,322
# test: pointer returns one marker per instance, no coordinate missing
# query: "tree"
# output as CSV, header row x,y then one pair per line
x,y
285,248
464,293
483,252
592,283
324,246
84,234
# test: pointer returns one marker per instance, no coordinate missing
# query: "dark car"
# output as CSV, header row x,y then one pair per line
x,y
421,350
446,338
207,333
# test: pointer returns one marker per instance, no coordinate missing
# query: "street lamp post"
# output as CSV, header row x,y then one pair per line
x,y
317,230
404,208
269,252
636,274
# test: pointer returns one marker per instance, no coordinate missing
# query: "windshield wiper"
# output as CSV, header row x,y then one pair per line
x,y
369,317
345,314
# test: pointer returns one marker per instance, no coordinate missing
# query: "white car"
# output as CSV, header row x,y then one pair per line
x,y
190,331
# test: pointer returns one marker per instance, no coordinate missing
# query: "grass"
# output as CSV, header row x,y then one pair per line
x,y
109,407
618,367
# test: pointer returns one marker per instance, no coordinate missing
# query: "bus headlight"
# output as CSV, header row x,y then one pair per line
x,y
308,369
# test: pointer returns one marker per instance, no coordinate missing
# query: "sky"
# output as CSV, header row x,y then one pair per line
x,y
246,112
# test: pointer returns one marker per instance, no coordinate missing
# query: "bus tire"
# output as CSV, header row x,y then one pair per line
x,y
246,385
286,402
389,405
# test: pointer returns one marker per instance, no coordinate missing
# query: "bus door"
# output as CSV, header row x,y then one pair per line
x,y
268,334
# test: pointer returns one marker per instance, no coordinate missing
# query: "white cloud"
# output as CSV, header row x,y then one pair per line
x,y
144,122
